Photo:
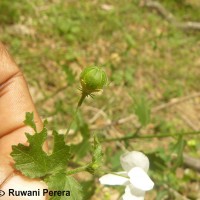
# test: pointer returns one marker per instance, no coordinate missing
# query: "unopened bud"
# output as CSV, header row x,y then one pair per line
x,y
93,79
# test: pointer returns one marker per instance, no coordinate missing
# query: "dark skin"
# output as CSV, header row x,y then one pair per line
x,y
15,101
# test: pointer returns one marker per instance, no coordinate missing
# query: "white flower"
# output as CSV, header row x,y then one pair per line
x,y
135,176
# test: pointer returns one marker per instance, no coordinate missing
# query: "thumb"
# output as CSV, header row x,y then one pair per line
x,y
15,101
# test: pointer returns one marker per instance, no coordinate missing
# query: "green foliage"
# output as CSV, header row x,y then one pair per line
x,y
5,10
118,77
161,195
142,110
177,151
183,8
130,40
128,76
67,28
172,92
70,78
161,160
10,14
164,164
33,162
114,160
158,163
61,182
88,188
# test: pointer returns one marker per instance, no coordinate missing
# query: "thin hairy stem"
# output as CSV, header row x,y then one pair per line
x,y
75,114
77,170
136,136
70,124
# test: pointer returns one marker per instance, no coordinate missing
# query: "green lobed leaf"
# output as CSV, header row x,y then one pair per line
x,y
33,162
61,182
29,120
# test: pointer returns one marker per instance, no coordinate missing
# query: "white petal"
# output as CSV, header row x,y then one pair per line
x,y
134,159
130,195
112,179
135,191
140,179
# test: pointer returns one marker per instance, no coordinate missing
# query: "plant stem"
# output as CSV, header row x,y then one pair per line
x,y
151,136
77,170
81,100
75,114
70,124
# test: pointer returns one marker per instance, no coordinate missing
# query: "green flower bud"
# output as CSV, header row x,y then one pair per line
x,y
93,79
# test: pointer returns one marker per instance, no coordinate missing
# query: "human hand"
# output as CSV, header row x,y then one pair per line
x,y
15,101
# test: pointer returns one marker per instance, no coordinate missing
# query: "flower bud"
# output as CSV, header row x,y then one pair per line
x,y
93,79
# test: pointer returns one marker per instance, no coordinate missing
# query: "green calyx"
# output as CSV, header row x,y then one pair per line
x,y
93,79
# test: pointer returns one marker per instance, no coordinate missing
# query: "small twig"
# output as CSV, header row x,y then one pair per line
x,y
191,162
189,26
169,17
160,9
99,112
189,122
174,102
154,110
175,193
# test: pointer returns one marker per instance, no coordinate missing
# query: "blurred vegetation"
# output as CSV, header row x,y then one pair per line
x,y
149,63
